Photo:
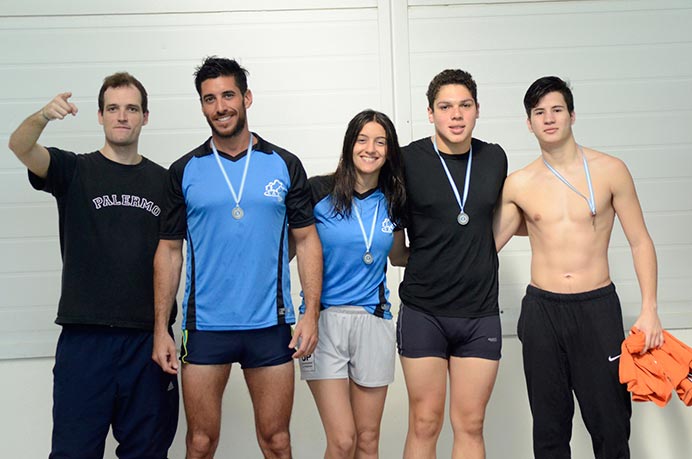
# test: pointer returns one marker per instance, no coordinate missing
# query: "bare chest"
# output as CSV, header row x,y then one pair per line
x,y
548,202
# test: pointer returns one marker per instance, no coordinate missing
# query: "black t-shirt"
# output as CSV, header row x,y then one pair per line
x,y
452,269
109,231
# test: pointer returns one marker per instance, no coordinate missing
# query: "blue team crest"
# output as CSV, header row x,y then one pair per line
x,y
275,189
387,226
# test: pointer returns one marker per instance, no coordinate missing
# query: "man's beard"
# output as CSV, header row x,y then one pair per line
x,y
239,126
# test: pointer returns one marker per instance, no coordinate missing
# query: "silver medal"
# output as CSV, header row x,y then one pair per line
x,y
463,218
368,258
237,213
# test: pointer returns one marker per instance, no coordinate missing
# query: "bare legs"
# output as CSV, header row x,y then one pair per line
x,y
471,383
203,387
351,415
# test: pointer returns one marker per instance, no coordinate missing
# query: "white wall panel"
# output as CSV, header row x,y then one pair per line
x,y
314,64
26,221
312,67
633,93
38,289
29,255
86,7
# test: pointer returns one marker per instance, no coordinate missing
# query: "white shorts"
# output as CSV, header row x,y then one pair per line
x,y
352,344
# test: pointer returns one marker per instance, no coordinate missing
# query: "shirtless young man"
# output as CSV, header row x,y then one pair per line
x,y
571,323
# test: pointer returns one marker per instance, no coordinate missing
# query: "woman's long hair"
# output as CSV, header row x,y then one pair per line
x,y
390,182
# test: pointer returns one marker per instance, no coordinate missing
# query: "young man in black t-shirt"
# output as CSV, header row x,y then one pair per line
x,y
109,206
449,323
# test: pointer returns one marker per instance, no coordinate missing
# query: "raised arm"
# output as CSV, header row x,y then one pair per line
x,y
629,212
24,140
168,262
309,252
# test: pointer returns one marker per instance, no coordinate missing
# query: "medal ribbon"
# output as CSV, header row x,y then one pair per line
x,y
453,184
239,196
366,239
590,200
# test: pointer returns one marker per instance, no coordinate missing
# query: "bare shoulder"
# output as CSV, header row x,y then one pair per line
x,y
608,163
526,173
608,167
520,179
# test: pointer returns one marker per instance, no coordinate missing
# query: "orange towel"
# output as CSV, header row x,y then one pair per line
x,y
655,374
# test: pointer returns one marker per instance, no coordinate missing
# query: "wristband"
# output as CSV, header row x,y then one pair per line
x,y
44,116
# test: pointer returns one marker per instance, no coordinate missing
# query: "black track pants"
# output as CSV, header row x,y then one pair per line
x,y
571,343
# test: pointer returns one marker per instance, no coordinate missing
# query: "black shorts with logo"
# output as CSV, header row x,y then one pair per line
x,y
424,335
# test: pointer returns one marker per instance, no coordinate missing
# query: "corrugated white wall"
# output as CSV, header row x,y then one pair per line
x,y
313,65
632,81
311,69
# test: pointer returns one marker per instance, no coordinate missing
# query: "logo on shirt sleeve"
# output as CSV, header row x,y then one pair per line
x,y
387,226
275,189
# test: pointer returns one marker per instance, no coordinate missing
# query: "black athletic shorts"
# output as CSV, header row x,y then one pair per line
x,y
424,335
263,347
